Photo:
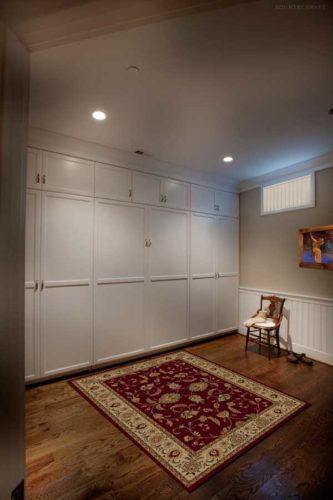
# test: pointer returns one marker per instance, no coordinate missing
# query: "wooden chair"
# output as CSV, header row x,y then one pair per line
x,y
262,334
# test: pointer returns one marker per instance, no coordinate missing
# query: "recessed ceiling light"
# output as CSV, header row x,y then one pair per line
x,y
99,115
133,70
228,159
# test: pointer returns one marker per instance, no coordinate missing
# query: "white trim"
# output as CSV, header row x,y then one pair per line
x,y
61,283
110,281
170,277
294,296
119,356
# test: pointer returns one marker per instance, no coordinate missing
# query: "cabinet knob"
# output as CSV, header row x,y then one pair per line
x,y
130,193
42,285
36,285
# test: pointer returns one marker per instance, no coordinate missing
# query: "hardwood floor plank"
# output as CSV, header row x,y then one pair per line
x,y
74,453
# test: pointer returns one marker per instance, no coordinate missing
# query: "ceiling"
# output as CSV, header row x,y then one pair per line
x,y
253,81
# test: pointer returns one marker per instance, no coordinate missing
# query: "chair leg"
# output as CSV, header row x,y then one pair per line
x,y
278,340
259,341
247,338
269,345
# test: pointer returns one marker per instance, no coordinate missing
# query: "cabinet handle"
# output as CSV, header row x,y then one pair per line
x,y
161,198
149,241
218,208
165,198
37,178
146,243
42,285
130,193
36,285
44,178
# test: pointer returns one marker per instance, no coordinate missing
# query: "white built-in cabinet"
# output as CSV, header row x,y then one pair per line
x,y
121,262
214,275
210,201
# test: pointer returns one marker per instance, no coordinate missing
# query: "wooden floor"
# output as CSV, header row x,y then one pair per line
x,y
73,452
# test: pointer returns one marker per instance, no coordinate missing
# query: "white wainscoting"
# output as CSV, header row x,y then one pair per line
x,y
307,324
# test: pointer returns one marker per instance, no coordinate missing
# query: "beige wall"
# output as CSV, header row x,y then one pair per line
x,y
269,243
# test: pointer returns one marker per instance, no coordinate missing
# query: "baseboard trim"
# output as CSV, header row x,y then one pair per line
x,y
126,359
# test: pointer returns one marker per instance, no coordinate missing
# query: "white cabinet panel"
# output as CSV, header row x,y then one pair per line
x,y
34,168
66,300
120,270
119,320
32,296
168,232
66,328
167,312
112,182
66,174
67,226
120,239
202,245
176,194
227,303
146,188
202,199
226,249
202,307
228,203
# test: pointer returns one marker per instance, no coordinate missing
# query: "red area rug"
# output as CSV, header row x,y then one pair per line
x,y
190,415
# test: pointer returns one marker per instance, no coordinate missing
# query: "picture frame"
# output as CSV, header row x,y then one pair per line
x,y
315,247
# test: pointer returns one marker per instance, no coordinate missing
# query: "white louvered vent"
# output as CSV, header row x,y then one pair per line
x,y
291,194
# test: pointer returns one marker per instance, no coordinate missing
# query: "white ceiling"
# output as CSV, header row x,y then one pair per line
x,y
251,81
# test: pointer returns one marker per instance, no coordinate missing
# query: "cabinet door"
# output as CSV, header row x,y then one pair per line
x,y
202,304
32,295
66,174
34,168
227,203
112,182
202,199
226,246
146,189
168,275
176,194
66,296
227,303
120,270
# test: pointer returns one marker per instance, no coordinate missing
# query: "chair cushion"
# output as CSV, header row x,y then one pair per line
x,y
269,323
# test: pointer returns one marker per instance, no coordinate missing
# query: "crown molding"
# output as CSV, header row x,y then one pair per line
x,y
312,165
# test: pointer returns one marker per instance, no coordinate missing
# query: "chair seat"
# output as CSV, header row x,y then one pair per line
x,y
269,323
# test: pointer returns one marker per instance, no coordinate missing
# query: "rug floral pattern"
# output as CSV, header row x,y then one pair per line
x,y
190,415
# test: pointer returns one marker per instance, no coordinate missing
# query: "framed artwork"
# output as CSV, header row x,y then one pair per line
x,y
315,247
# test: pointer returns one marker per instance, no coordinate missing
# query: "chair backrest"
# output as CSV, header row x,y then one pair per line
x,y
274,307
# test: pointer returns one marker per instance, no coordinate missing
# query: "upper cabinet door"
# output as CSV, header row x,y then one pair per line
x,y
176,194
147,189
112,182
227,203
66,174
34,168
202,199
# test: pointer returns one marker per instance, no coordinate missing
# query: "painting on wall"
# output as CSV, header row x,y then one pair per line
x,y
315,245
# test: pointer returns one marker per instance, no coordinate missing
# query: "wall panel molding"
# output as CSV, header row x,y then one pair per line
x,y
307,325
